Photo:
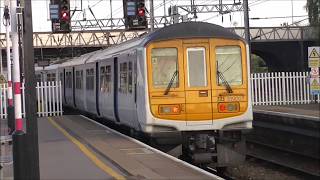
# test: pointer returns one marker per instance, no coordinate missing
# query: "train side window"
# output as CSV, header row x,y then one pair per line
x,y
68,80
38,77
108,78
164,67
90,79
51,77
61,77
229,64
79,79
102,79
105,76
123,77
130,77
196,65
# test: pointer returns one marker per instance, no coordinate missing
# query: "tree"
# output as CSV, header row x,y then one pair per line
x,y
313,8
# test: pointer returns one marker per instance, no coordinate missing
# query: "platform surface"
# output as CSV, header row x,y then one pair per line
x,y
75,147
307,111
136,159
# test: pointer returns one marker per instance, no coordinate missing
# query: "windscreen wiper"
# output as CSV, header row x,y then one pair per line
x,y
225,82
170,83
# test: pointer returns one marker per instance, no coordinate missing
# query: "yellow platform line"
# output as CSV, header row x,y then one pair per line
x,y
87,152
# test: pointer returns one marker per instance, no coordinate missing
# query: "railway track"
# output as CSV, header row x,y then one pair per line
x,y
288,142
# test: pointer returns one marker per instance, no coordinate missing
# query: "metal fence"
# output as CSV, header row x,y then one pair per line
x,y
49,99
282,88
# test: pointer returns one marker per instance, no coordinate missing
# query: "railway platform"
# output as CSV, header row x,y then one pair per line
x,y
304,111
75,147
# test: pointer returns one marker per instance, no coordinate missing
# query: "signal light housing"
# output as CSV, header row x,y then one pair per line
x,y
135,14
61,23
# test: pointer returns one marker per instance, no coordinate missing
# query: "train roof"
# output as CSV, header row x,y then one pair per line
x,y
190,30
174,31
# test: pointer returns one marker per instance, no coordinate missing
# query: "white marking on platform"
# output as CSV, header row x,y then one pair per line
x,y
283,113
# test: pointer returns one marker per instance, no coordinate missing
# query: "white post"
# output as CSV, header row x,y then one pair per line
x,y
9,73
16,67
273,84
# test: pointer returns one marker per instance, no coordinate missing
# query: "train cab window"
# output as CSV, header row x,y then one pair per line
x,y
123,77
196,65
229,65
79,79
105,79
164,67
90,79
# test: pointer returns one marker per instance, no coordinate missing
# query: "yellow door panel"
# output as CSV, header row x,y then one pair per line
x,y
197,80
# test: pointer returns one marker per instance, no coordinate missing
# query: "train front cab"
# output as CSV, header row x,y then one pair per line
x,y
200,87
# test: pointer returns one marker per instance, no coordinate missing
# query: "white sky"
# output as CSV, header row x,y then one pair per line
x,y
101,9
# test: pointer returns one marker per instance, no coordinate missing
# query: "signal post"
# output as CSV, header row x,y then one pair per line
x,y
10,109
31,148
19,156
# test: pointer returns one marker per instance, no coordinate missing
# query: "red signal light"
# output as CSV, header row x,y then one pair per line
x,y
141,12
65,16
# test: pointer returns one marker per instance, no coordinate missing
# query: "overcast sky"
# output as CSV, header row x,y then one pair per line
x,y
258,8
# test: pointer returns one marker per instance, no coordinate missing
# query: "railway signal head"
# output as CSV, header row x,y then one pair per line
x,y
135,14
141,9
64,16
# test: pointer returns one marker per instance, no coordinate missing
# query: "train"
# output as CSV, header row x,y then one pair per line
x,y
187,82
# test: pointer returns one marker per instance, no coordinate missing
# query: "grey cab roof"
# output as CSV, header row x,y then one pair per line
x,y
191,30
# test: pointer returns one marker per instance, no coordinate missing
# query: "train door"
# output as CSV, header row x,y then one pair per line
x,y
126,91
105,89
197,82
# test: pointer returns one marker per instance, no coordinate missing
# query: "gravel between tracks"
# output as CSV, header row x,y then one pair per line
x,y
256,169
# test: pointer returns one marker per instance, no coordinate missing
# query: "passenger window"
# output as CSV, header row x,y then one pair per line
x,y
229,64
130,78
38,77
105,79
61,77
123,77
90,79
164,67
108,78
79,79
68,80
196,64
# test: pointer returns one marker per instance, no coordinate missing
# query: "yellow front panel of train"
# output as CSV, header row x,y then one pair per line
x,y
188,79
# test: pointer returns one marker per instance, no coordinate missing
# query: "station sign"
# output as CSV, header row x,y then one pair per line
x,y
314,72
315,85
314,57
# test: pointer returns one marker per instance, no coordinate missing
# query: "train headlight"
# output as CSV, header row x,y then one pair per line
x,y
169,109
228,107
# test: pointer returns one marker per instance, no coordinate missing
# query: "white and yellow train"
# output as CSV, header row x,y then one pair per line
x,y
187,81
